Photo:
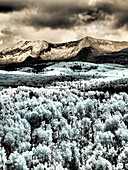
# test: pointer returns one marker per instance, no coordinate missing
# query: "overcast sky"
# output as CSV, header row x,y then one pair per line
x,y
62,20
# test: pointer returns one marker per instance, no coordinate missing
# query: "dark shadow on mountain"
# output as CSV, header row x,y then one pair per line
x,y
118,57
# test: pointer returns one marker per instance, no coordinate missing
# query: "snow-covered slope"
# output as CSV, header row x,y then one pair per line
x,y
93,75
86,49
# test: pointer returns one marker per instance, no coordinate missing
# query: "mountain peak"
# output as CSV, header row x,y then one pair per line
x,y
90,38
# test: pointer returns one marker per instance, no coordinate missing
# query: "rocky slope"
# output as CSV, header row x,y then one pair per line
x,y
87,49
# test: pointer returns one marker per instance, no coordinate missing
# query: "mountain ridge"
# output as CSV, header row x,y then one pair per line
x,y
86,49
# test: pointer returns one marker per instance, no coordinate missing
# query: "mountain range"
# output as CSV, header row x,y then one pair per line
x,y
86,49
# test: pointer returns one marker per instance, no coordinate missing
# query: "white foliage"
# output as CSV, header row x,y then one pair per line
x,y
55,128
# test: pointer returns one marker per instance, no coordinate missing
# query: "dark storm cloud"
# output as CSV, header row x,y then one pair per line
x,y
92,15
54,21
66,14
106,7
56,14
63,14
7,6
122,20
118,9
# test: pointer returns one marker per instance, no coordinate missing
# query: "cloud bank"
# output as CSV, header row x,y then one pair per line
x,y
74,16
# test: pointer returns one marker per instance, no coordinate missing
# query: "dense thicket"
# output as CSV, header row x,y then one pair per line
x,y
63,129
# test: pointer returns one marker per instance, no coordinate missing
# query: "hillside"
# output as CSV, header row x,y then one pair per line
x,y
87,49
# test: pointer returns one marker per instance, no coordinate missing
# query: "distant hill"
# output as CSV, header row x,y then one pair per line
x,y
86,49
